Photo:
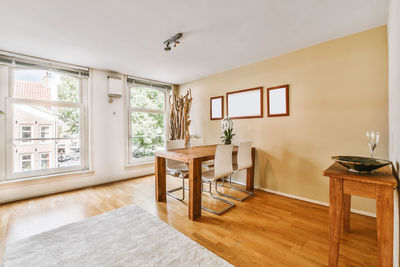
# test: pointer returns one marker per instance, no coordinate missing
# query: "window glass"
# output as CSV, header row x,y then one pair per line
x,y
63,142
147,134
26,133
46,121
147,124
45,160
26,162
45,134
149,98
45,85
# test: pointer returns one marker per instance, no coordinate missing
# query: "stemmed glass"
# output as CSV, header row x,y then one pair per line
x,y
373,140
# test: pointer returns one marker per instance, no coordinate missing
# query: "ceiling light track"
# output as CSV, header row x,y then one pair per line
x,y
173,40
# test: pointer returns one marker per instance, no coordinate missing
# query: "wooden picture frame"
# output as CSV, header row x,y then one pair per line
x,y
245,104
278,101
216,105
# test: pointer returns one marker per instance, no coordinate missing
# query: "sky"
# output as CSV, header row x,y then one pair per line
x,y
29,75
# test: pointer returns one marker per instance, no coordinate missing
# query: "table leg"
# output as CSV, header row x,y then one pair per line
x,y
194,189
161,183
335,217
384,221
250,172
346,212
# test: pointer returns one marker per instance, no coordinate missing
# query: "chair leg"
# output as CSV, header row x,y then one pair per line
x,y
169,192
231,205
237,188
229,196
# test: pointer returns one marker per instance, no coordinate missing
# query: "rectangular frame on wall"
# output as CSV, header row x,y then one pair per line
x,y
214,103
245,104
278,102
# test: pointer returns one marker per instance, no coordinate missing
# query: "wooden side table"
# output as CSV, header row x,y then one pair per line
x,y
379,184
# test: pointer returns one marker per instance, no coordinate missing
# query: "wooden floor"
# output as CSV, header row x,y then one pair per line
x,y
265,230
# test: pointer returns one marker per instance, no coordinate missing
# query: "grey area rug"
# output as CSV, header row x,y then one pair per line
x,y
129,236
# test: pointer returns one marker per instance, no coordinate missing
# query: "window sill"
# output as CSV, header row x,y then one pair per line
x,y
140,165
45,179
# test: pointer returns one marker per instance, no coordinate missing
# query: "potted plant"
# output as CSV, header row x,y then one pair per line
x,y
2,112
227,130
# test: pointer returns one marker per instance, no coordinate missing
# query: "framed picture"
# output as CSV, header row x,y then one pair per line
x,y
245,104
217,108
278,101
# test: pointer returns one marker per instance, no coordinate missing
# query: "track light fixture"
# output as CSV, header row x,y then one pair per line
x,y
173,40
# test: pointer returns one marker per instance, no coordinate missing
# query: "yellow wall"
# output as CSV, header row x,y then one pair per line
x,y
338,91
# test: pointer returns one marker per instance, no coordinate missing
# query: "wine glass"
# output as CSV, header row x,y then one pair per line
x,y
373,140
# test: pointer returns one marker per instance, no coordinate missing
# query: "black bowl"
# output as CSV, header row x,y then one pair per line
x,y
360,164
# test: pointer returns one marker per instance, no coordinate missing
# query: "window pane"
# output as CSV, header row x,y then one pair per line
x,y
68,151
45,160
45,85
143,97
45,133
26,157
56,137
26,133
147,134
26,163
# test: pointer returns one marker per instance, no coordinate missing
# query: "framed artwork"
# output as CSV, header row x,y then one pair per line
x,y
278,101
217,108
245,104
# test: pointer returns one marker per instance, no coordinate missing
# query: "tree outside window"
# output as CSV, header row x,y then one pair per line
x,y
147,121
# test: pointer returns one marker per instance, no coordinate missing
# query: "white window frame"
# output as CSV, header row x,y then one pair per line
x,y
29,141
164,112
40,134
40,160
21,161
84,133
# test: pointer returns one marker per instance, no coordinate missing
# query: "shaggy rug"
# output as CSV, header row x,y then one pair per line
x,y
129,236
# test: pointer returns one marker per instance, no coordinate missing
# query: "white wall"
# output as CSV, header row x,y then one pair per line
x,y
108,147
394,103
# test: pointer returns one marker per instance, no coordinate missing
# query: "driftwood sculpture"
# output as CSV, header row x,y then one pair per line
x,y
180,116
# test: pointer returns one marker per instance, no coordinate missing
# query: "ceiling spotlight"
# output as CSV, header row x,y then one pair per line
x,y
174,40
167,47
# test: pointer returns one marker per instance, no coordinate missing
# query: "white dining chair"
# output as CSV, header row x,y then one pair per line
x,y
222,168
194,142
177,169
244,161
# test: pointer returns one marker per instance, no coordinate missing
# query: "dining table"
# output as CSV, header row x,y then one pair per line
x,y
193,156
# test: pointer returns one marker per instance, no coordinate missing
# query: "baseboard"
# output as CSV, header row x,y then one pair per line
x,y
365,213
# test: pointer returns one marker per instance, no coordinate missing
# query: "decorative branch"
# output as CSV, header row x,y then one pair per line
x,y
180,116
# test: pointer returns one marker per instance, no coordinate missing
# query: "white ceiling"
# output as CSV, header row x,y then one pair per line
x,y
218,35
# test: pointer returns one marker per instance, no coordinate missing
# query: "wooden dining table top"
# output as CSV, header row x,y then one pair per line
x,y
203,153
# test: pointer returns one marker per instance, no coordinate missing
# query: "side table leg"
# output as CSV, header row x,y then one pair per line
x,y
346,213
335,218
384,221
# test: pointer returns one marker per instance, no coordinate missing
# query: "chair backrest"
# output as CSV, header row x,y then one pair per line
x,y
223,161
196,142
244,160
174,144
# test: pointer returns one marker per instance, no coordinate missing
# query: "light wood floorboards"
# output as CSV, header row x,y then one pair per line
x,y
265,230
